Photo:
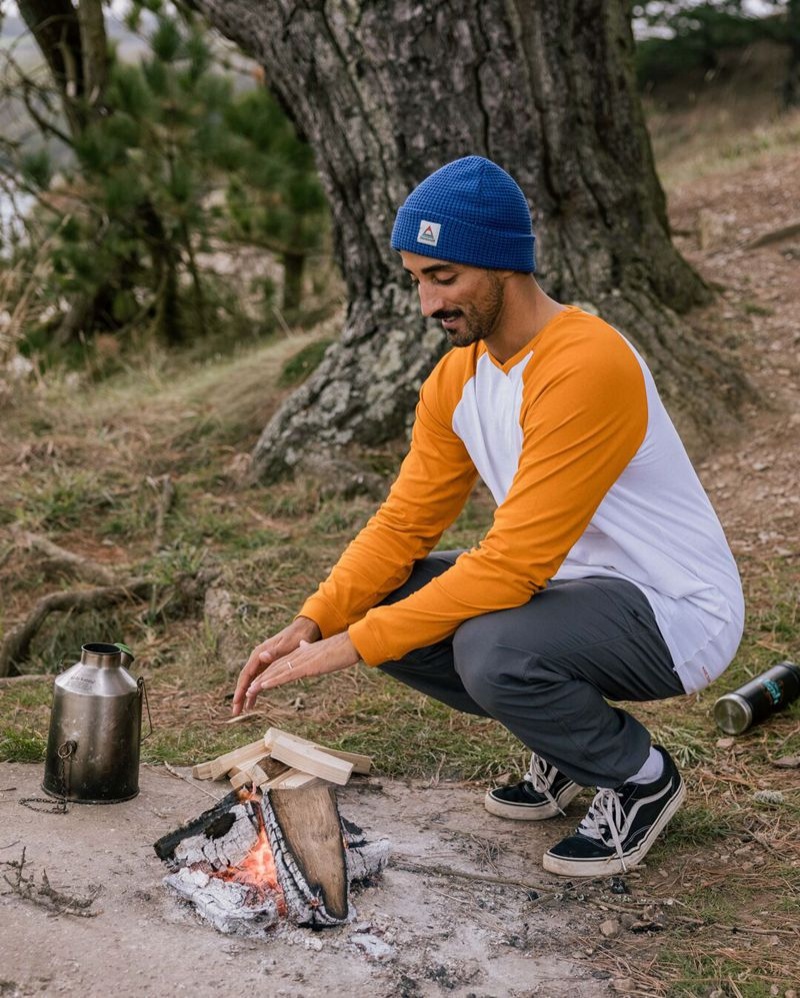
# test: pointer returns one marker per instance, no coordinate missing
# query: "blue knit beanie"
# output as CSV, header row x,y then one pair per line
x,y
470,211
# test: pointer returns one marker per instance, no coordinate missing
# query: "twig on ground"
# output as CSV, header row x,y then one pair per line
x,y
716,777
174,772
165,501
46,896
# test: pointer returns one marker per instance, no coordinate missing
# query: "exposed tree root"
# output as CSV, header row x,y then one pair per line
x,y
16,644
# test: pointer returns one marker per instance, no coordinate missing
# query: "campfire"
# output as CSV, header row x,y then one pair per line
x,y
260,857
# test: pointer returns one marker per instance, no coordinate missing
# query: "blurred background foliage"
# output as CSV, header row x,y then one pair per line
x,y
152,189
676,38
130,188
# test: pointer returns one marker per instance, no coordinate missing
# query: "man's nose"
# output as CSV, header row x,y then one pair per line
x,y
430,299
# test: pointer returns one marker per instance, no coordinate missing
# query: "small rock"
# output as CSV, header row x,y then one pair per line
x,y
726,743
375,948
788,762
610,928
791,993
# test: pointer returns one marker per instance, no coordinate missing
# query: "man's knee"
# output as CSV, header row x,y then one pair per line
x,y
480,660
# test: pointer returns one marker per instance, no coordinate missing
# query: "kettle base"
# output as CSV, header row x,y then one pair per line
x,y
88,800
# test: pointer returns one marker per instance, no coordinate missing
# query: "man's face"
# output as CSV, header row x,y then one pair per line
x,y
468,301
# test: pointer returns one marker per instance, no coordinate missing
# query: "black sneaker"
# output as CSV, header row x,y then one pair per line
x,y
543,793
620,826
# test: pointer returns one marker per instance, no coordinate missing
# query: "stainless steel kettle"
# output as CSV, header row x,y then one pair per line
x,y
95,728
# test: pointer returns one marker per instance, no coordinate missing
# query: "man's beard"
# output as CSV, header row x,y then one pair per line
x,y
479,318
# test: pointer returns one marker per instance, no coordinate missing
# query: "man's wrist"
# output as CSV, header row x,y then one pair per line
x,y
310,627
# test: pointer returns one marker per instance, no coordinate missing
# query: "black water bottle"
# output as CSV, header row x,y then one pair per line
x,y
737,711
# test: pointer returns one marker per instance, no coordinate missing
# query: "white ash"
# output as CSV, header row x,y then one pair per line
x,y
227,905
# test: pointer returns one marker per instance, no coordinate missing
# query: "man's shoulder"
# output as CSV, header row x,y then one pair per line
x,y
585,341
587,360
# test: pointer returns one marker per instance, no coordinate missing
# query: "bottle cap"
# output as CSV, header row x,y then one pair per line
x,y
733,714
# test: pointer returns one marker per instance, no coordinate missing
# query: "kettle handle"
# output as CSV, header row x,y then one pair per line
x,y
143,691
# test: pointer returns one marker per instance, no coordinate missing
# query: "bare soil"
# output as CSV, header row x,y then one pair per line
x,y
419,931
753,481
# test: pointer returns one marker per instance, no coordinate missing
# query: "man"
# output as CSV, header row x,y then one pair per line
x,y
605,573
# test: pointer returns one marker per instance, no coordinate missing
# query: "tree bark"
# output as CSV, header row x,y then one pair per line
x,y
791,86
385,94
72,39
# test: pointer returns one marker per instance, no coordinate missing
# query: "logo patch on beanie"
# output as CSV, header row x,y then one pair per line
x,y
428,232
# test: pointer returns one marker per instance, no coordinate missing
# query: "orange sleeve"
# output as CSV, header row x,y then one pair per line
x,y
584,415
431,488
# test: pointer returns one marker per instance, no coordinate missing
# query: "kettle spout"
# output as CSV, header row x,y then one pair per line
x,y
127,654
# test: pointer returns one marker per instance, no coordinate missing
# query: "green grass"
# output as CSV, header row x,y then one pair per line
x,y
64,500
693,978
299,366
22,746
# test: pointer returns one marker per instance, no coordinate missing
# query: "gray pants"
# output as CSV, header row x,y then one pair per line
x,y
544,670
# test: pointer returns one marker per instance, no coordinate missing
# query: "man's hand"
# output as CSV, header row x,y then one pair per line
x,y
285,641
317,659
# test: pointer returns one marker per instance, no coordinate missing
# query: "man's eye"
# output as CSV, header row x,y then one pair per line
x,y
443,280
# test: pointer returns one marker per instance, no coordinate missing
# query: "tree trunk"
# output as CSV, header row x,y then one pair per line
x,y
94,49
385,94
293,267
72,40
791,86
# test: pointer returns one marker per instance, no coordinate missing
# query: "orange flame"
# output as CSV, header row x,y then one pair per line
x,y
257,869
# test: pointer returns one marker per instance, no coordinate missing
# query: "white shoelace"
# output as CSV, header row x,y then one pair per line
x,y
537,776
603,821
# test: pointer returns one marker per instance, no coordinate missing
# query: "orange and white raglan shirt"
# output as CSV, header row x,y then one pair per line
x,y
590,478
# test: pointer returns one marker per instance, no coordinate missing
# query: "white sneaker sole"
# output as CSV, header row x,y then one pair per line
x,y
530,812
613,864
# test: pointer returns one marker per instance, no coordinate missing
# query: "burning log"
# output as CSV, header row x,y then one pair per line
x,y
253,859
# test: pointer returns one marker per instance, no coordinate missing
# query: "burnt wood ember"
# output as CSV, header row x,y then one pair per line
x,y
304,873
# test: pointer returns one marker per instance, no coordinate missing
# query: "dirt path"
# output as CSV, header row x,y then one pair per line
x,y
753,482
436,935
